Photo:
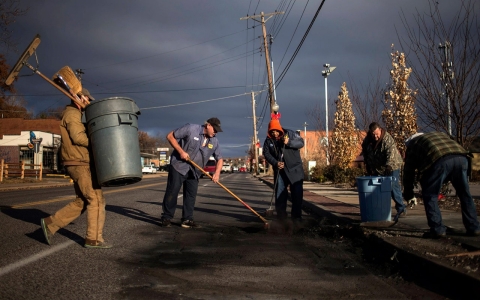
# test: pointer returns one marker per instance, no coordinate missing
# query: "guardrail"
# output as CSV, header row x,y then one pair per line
x,y
18,170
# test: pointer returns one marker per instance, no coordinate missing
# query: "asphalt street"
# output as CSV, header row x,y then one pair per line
x,y
230,256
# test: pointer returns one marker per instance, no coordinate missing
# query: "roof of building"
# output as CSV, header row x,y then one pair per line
x,y
14,126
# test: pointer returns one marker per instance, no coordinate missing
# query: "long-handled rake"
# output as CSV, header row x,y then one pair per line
x,y
270,210
23,61
266,224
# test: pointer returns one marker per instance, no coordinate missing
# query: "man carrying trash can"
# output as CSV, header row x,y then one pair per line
x,y
76,157
382,158
438,159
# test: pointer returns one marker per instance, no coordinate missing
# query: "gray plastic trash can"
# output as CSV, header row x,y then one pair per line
x,y
112,125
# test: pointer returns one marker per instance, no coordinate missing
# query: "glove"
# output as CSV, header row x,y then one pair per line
x,y
412,202
388,170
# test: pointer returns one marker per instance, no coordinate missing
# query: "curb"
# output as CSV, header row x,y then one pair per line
x,y
429,270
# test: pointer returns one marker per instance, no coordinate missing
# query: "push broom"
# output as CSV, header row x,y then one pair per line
x,y
266,224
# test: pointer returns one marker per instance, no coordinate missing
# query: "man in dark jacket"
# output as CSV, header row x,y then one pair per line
x,y
281,150
439,159
383,159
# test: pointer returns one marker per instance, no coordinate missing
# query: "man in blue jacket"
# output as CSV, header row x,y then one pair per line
x,y
282,151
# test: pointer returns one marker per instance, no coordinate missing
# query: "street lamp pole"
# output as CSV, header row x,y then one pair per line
x,y
305,139
325,73
447,73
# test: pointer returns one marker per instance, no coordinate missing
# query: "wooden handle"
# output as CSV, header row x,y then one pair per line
x,y
230,192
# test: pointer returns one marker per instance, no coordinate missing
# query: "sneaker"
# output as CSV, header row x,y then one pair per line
x,y
165,222
473,232
98,245
189,224
46,232
434,235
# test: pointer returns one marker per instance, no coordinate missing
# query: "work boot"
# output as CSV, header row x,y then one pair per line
x,y
46,232
165,222
97,245
189,224
298,224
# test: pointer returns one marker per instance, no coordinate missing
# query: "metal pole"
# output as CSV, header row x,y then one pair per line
x,y
255,134
326,118
447,74
305,136
273,81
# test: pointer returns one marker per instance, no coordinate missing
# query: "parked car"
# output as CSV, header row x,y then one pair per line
x,y
226,168
235,169
164,168
242,169
210,167
149,170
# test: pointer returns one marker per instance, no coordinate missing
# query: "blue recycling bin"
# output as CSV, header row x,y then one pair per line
x,y
375,196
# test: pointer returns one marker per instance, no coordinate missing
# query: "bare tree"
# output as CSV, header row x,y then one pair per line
x,y
399,115
9,11
367,100
10,106
344,140
445,59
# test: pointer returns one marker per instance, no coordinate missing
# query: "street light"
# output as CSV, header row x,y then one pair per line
x,y
447,72
325,73
305,137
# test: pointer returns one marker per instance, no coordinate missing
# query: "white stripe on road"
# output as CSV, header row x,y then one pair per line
x,y
17,265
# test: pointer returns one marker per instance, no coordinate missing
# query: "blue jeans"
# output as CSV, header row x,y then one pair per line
x,y
397,191
448,168
174,183
281,197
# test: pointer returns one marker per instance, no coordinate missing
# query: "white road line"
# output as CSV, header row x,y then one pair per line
x,y
17,265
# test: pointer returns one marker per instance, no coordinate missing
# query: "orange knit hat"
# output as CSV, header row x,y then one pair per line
x,y
274,125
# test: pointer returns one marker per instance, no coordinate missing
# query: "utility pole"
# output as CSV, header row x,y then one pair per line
x,y
79,73
447,73
255,134
265,46
305,137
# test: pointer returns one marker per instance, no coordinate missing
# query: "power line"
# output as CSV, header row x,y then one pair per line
x,y
300,45
189,103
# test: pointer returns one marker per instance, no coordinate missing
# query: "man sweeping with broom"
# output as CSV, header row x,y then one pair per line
x,y
282,151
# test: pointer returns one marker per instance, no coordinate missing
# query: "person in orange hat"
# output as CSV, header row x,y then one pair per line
x,y
282,151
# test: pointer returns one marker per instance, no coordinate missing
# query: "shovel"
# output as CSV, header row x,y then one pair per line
x,y
266,225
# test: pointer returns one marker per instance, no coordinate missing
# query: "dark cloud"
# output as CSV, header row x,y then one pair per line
x,y
166,53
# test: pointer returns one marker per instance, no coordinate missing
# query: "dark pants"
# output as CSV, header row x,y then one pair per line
x,y
397,191
448,168
296,191
174,183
